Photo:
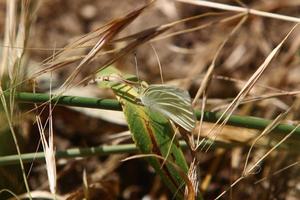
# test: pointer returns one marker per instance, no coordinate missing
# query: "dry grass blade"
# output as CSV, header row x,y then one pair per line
x,y
246,89
114,28
38,194
260,98
15,68
11,65
49,153
140,39
269,128
231,186
208,76
48,147
10,28
266,131
85,185
278,171
197,28
80,43
241,9
272,149
10,192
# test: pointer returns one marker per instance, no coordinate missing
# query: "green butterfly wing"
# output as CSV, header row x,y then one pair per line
x,y
172,102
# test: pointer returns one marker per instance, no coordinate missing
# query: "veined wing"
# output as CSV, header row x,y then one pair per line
x,y
172,102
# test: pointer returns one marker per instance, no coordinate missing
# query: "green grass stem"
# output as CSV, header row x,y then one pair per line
x,y
112,104
102,150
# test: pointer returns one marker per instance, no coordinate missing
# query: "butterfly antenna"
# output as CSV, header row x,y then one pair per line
x,y
137,69
159,64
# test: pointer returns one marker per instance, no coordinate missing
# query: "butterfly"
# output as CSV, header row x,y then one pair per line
x,y
172,102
